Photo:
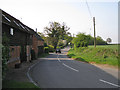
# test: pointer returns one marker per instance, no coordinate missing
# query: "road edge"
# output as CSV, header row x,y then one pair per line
x,y
29,76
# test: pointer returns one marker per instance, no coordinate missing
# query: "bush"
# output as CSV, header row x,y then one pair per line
x,y
51,48
46,49
5,54
45,44
81,40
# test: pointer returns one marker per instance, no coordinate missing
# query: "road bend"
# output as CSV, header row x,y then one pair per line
x,y
59,71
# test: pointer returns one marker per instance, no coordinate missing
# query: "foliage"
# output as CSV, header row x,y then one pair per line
x,y
51,48
60,43
105,54
5,54
100,41
46,49
91,40
55,32
45,44
81,40
43,55
68,38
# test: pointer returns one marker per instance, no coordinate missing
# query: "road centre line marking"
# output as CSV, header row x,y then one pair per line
x,y
67,65
58,58
109,83
70,67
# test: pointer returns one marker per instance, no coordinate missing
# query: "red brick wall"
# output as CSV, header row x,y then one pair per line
x,y
28,48
40,43
14,56
35,44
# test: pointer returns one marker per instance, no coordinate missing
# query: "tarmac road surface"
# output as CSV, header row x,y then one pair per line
x,y
59,71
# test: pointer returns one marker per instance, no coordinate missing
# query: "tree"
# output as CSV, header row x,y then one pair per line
x,y
91,40
81,40
109,40
100,41
68,38
55,31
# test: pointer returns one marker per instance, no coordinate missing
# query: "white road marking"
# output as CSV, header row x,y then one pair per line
x,y
109,83
66,65
70,67
58,58
30,76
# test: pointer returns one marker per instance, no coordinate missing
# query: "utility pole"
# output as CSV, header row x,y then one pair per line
x,y
94,32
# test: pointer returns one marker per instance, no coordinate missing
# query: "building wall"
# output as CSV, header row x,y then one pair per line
x,y
28,47
40,43
34,45
14,56
38,46
18,38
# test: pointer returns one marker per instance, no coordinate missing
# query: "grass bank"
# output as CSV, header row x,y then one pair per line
x,y
16,84
102,54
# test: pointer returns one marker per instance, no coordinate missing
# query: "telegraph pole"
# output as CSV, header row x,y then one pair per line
x,y
94,32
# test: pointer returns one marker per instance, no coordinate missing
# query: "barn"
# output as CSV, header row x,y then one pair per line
x,y
23,40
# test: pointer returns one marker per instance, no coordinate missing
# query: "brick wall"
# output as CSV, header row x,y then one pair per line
x,y
28,47
14,56
40,43
34,45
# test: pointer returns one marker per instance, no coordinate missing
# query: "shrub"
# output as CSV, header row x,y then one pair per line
x,y
81,40
51,48
5,54
46,49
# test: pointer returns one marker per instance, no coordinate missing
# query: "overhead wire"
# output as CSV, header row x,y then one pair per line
x,y
89,13
89,9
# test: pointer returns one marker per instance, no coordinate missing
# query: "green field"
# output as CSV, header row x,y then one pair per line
x,y
114,47
102,54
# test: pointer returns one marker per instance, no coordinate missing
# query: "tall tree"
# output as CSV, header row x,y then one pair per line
x,y
55,31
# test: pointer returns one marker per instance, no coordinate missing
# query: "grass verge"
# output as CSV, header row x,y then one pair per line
x,y
16,84
100,55
43,55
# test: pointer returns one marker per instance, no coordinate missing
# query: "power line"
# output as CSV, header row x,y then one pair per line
x,y
88,9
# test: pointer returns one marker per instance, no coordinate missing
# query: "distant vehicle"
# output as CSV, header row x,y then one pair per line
x,y
58,50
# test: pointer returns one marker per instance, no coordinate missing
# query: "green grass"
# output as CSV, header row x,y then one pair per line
x,y
114,47
43,55
102,54
16,84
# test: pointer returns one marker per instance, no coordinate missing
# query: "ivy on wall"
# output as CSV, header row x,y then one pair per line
x,y
5,54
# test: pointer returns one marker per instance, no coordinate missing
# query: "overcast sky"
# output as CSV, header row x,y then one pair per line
x,y
75,13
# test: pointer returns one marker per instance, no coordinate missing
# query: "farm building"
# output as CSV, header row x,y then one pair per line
x,y
24,43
